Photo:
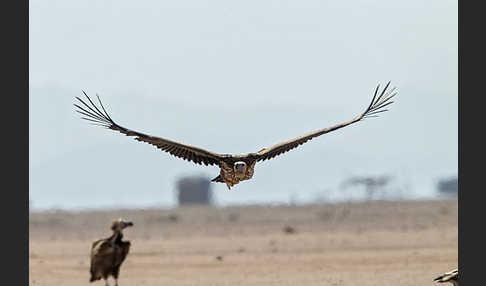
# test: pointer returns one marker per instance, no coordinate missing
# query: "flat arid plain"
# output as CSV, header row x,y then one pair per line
x,y
369,243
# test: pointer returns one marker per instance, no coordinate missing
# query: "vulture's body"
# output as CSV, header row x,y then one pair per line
x,y
451,276
233,168
108,254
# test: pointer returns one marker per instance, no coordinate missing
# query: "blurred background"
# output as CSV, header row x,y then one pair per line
x,y
235,77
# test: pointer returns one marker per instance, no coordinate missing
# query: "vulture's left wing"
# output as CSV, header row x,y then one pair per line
x,y
448,276
376,105
187,152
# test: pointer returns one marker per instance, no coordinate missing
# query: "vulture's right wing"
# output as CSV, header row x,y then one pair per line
x,y
102,253
375,107
101,248
187,152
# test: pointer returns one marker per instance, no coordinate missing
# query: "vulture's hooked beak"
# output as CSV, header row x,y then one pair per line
x,y
128,223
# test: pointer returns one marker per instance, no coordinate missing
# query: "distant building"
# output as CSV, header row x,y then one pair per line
x,y
194,190
448,186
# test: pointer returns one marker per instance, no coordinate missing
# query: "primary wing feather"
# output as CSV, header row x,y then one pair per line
x,y
376,106
100,117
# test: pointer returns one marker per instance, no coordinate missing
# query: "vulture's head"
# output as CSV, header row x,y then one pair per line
x,y
240,169
120,224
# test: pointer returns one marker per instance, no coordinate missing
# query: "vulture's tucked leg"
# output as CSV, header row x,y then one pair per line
x,y
218,179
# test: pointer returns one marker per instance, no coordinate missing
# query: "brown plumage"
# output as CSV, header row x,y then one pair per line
x,y
233,168
108,254
451,276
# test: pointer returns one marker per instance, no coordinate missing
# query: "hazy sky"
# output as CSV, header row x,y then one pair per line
x,y
234,77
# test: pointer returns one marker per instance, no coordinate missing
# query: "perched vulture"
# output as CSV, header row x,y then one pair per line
x,y
233,168
451,276
108,254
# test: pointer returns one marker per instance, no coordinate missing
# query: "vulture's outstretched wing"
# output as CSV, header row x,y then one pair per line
x,y
374,108
190,153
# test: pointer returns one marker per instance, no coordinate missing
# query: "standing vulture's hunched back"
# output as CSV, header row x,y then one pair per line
x,y
108,254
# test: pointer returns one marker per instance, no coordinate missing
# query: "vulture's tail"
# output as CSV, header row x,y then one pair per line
x,y
93,277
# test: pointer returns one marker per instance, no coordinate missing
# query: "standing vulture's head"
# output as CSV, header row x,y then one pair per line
x,y
120,224
240,169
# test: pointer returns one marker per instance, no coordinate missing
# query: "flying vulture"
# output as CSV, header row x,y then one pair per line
x,y
108,254
233,168
451,276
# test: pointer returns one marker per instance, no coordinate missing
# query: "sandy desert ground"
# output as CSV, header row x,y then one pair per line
x,y
372,243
